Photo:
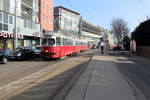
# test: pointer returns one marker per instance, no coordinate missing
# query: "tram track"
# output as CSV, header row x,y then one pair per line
x,y
32,74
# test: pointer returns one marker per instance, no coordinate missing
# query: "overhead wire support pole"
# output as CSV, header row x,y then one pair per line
x,y
15,26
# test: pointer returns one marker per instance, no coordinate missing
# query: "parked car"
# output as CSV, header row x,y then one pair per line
x,y
23,53
37,51
117,48
3,56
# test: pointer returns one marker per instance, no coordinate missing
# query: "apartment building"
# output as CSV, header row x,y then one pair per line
x,y
19,17
46,15
66,22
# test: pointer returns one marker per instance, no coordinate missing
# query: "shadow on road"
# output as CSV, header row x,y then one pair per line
x,y
135,70
48,89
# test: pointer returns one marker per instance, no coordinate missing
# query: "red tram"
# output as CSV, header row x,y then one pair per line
x,y
57,46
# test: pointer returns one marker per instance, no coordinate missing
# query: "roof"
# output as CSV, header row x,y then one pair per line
x,y
68,10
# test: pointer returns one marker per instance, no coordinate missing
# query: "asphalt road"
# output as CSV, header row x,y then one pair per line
x,y
18,76
136,70
15,70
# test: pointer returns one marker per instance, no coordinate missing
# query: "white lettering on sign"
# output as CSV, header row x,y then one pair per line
x,y
10,35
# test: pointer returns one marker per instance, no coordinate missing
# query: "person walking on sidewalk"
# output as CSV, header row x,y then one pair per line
x,y
102,48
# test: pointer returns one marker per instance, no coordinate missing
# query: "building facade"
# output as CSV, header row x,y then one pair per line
x,y
19,17
66,21
90,33
111,38
46,15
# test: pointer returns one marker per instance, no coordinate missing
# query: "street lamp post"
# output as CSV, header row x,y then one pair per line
x,y
15,27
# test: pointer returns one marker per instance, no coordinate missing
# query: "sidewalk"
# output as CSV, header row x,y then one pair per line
x,y
101,81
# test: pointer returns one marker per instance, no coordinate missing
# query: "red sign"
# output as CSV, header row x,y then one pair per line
x,y
10,35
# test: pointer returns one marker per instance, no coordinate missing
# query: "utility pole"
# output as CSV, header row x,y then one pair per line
x,y
15,27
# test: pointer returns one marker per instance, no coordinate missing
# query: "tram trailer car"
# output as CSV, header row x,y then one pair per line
x,y
57,47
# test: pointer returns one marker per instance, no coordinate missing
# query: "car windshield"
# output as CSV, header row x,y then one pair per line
x,y
19,49
27,48
37,48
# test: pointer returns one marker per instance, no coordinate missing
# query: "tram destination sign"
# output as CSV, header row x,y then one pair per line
x,y
10,35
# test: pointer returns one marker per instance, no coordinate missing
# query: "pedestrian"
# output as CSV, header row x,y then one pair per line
x,y
133,46
102,48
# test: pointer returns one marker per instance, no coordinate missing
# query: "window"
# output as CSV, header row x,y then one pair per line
x,y
35,26
31,27
28,24
1,16
25,23
5,18
47,19
44,42
5,27
51,42
10,19
58,41
1,44
64,41
48,42
1,26
43,4
46,7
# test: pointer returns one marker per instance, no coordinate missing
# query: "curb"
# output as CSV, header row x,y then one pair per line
x,y
61,94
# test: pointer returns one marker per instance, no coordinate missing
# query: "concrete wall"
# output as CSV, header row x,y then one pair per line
x,y
143,51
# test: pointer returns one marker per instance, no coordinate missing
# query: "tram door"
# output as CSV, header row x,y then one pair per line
x,y
58,44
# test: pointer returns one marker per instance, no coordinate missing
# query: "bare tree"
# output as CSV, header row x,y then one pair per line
x,y
120,29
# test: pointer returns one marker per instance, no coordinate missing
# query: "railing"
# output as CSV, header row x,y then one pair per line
x,y
27,16
28,3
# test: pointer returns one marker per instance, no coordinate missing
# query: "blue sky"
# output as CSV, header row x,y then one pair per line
x,y
101,12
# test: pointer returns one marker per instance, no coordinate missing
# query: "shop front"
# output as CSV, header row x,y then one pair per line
x,y
7,40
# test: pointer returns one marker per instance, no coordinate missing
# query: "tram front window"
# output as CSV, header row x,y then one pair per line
x,y
44,42
48,42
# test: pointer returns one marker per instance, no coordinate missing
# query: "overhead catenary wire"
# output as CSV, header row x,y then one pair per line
x,y
70,4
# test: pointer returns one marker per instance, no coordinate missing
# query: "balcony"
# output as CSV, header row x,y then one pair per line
x,y
26,13
27,3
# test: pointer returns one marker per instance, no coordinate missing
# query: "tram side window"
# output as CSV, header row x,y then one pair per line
x,y
64,41
76,43
58,41
51,42
48,42
71,42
